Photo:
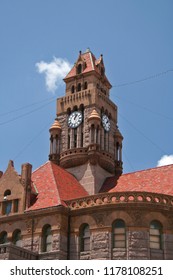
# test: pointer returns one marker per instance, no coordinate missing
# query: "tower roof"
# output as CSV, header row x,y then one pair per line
x,y
94,115
55,125
91,64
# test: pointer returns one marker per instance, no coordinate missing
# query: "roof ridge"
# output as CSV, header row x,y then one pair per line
x,y
40,166
91,60
147,169
59,199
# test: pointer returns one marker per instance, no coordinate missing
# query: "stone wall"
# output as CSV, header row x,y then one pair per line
x,y
138,248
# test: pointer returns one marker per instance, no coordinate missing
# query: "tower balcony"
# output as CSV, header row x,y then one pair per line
x,y
73,157
93,154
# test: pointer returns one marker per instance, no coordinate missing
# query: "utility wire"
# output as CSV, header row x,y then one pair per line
x,y
129,162
26,114
145,108
26,106
144,79
32,140
140,132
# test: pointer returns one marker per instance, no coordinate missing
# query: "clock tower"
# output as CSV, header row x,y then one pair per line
x,y
85,139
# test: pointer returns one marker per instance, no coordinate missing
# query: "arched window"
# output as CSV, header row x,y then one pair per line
x,y
46,239
79,68
118,234
72,89
155,235
85,85
85,238
68,143
79,87
92,133
75,137
3,237
6,193
16,238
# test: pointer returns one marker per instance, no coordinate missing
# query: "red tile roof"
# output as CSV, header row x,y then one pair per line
x,y
54,185
91,65
157,180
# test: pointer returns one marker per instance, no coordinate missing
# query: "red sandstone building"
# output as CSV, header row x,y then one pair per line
x,y
79,205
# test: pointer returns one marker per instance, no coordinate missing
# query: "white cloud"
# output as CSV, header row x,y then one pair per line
x,y
54,72
165,160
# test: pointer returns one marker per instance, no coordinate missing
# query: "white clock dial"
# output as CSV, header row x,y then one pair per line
x,y
75,119
106,123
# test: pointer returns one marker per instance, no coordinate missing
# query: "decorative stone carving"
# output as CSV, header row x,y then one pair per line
x,y
31,223
100,219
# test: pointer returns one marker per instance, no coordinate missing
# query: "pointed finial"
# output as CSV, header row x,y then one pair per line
x,y
88,50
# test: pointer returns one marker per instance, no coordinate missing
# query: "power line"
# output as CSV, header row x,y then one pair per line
x,y
32,140
26,114
145,108
144,79
26,106
140,132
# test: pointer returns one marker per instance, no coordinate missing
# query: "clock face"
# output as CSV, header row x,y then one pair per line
x,y
75,119
106,123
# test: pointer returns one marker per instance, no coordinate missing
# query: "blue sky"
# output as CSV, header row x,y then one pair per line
x,y
136,40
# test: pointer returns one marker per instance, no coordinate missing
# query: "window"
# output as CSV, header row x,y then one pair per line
x,y
68,144
85,238
3,237
79,87
6,207
85,85
16,206
6,193
79,68
72,89
155,235
118,234
16,238
46,239
75,137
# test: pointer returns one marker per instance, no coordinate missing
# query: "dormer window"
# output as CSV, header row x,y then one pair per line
x,y
9,205
6,207
79,68
6,193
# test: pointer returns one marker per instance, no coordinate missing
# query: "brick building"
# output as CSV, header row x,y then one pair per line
x,y
79,205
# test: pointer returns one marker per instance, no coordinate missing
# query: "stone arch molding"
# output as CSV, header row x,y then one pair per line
x,y
114,215
149,217
79,221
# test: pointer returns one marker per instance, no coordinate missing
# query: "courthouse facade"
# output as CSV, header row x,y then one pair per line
x,y
79,204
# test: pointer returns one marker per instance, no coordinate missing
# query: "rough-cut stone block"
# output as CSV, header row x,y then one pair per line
x,y
168,237
100,254
141,253
85,255
99,245
119,254
138,243
156,254
138,235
